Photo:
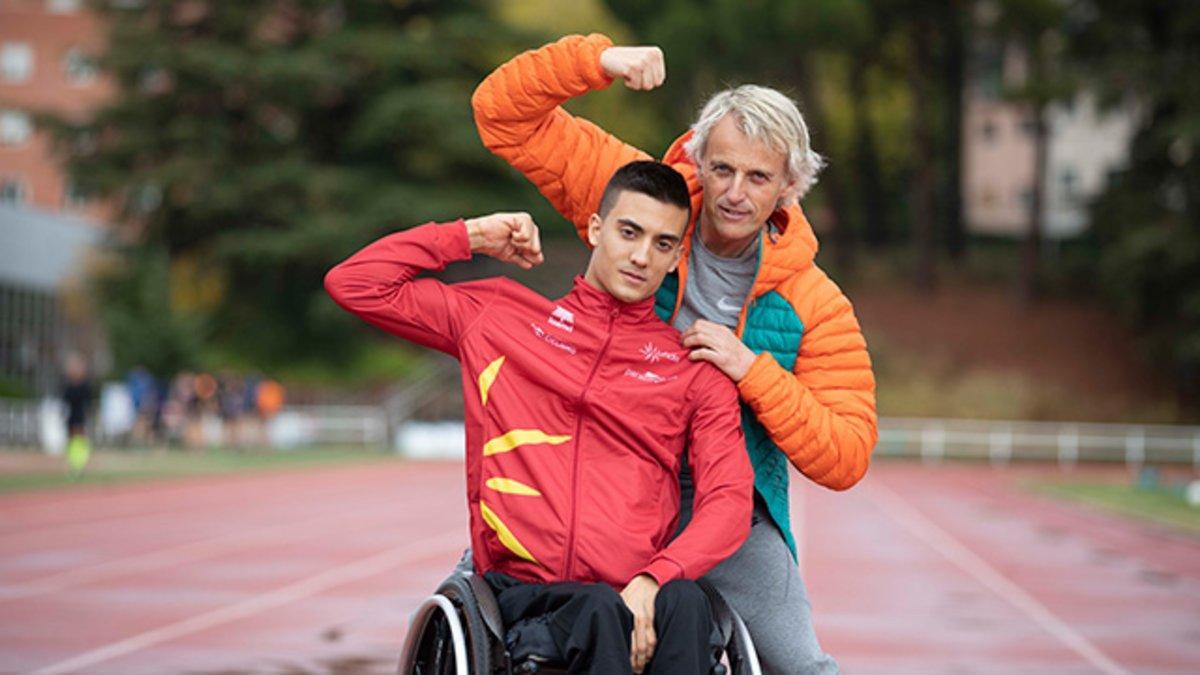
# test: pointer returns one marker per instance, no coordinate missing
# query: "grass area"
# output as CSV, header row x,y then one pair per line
x,y
110,467
1162,505
916,384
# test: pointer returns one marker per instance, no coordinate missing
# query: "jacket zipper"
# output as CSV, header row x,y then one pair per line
x,y
569,567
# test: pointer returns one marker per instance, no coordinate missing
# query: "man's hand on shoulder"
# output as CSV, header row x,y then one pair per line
x,y
642,68
719,346
509,237
639,597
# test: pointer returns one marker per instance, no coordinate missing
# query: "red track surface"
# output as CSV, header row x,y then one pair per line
x,y
949,569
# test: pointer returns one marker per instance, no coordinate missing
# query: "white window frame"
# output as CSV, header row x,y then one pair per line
x,y
16,62
63,6
14,123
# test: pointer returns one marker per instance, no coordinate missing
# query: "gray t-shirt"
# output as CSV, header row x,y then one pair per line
x,y
716,290
716,287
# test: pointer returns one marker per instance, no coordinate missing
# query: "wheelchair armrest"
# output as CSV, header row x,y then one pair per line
x,y
488,607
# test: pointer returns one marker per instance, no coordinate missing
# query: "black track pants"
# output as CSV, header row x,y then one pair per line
x,y
591,626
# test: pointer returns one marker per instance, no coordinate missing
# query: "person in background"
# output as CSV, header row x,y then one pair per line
x,y
78,395
144,391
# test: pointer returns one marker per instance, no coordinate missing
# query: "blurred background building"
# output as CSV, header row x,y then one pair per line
x,y
47,223
47,64
1086,144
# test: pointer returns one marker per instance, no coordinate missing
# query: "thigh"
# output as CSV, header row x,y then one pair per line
x,y
519,600
761,581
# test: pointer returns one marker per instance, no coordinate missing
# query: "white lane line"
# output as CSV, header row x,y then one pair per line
x,y
338,576
899,510
172,556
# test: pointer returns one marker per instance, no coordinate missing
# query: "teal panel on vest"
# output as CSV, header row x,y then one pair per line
x,y
664,298
771,326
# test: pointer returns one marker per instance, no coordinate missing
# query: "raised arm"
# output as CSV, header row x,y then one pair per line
x,y
724,487
378,283
519,116
823,414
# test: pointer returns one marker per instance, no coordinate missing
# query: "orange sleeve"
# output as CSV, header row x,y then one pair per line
x,y
519,116
822,415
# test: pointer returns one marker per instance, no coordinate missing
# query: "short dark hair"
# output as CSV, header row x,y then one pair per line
x,y
653,179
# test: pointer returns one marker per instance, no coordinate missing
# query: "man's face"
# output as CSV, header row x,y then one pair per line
x,y
636,244
743,180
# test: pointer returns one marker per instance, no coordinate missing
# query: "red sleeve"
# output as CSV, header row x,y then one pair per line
x,y
377,285
724,486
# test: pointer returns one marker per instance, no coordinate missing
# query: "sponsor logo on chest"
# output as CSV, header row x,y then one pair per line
x,y
649,376
562,319
654,353
551,339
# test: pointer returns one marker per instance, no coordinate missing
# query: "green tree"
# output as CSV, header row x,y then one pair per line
x,y
1146,224
253,144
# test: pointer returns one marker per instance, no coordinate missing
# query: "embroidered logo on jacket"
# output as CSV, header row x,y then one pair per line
x,y
654,354
562,319
648,376
551,340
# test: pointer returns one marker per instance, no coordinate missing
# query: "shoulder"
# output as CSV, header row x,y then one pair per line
x,y
500,291
709,385
813,295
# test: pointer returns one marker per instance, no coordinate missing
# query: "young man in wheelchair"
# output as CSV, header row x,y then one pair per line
x,y
578,412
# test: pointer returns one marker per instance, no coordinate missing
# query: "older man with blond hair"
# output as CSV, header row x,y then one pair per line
x,y
747,295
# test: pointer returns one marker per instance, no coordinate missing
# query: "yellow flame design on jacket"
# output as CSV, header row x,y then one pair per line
x,y
488,376
512,487
506,536
518,437
506,442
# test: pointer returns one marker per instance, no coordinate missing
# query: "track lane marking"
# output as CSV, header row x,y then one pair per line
x,y
332,578
30,528
180,554
901,511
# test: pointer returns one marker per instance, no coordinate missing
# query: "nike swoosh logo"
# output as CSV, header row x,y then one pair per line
x,y
725,306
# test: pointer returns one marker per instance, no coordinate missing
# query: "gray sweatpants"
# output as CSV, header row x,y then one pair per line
x,y
762,583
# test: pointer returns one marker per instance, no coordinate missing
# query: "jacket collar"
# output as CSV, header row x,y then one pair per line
x,y
589,300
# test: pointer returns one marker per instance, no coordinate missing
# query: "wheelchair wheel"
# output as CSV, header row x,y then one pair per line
x,y
739,648
449,635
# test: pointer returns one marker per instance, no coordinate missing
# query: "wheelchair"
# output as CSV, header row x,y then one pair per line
x,y
458,631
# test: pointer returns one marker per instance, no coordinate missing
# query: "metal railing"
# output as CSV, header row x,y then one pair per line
x,y
313,425
20,423
1000,441
23,422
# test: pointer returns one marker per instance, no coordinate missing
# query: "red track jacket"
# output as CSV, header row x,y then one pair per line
x,y
577,414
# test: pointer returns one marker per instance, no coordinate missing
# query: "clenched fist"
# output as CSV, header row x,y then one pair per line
x,y
508,237
642,68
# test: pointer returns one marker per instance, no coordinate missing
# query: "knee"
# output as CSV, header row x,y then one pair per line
x,y
682,595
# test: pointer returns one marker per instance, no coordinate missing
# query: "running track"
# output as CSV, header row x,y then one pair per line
x,y
945,569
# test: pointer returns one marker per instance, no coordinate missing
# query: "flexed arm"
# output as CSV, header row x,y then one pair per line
x,y
379,283
519,116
